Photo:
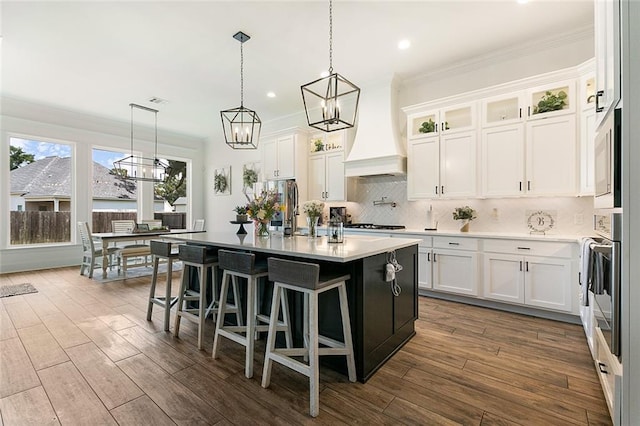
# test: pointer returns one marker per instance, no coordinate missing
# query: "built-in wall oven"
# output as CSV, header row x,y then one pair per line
x,y
608,170
604,280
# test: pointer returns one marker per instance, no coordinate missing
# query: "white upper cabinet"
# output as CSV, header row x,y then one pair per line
x,y
441,153
551,156
436,122
607,50
284,155
503,160
551,100
503,110
326,167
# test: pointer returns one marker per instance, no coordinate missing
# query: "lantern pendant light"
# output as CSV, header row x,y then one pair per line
x,y
137,168
331,103
241,125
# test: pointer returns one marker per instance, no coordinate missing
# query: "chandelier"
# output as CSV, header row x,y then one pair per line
x,y
331,102
137,168
241,125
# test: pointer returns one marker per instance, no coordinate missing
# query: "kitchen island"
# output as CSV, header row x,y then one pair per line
x,y
382,317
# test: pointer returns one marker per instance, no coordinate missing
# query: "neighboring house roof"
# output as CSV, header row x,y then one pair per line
x,y
51,177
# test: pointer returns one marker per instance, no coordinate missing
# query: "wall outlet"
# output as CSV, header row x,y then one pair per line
x,y
578,219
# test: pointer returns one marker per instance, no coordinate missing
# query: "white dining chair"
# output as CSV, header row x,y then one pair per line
x,y
198,225
92,257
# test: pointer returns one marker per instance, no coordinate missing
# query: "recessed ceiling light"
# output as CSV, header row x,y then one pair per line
x,y
324,74
271,95
404,44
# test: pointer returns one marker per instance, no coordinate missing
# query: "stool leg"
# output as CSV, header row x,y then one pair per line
x,y
314,370
215,295
271,336
236,302
305,325
251,294
222,307
152,290
202,305
286,319
167,292
183,288
346,330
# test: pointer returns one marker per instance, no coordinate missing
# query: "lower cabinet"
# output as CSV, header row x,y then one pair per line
x,y
540,281
455,268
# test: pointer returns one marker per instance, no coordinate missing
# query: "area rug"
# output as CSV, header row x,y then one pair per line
x,y
134,272
17,289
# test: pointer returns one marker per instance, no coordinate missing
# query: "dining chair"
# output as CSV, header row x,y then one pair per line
x,y
92,256
139,250
198,225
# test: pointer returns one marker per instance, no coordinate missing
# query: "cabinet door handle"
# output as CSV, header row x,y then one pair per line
x,y
436,189
521,265
529,111
528,185
442,190
520,185
520,112
434,258
599,93
436,127
524,248
454,244
526,266
428,257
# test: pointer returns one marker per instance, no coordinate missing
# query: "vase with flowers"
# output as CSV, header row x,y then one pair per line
x,y
466,214
261,209
313,209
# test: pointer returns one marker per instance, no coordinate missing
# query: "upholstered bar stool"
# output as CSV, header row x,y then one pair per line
x,y
305,278
198,259
161,250
243,265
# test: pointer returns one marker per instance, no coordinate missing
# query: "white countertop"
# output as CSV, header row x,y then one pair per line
x,y
506,235
354,247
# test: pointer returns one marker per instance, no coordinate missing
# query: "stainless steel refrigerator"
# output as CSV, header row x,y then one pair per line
x,y
285,221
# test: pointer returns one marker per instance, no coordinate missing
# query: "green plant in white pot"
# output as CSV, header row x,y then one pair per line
x,y
466,214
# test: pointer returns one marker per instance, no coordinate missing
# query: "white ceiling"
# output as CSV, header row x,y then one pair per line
x,y
97,57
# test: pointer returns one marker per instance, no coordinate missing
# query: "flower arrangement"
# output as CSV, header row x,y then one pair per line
x,y
464,213
262,208
313,208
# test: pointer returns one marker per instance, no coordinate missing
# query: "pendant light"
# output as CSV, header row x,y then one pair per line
x,y
241,125
331,103
137,168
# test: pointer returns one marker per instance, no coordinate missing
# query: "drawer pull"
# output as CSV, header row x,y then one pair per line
x,y
603,368
454,244
524,248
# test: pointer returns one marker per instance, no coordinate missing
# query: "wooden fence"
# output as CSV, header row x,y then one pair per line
x,y
34,227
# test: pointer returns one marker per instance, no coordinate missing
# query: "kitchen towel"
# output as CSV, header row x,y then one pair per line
x,y
586,268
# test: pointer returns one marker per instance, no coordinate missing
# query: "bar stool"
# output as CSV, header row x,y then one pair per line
x,y
305,278
243,265
162,250
199,259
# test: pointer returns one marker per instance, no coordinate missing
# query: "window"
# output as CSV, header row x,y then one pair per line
x,y
41,186
170,201
113,198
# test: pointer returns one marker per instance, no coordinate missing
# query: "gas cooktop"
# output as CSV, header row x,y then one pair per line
x,y
373,226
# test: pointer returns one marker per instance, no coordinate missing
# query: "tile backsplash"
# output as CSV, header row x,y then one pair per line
x,y
572,215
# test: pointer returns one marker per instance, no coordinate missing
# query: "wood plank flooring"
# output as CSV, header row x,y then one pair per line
x,y
79,352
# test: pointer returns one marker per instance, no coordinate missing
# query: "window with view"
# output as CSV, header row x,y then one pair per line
x,y
170,203
113,198
40,191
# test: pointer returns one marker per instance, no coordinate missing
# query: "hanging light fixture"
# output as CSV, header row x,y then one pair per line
x,y
241,125
331,103
137,168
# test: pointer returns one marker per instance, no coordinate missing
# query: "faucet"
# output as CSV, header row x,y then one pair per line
x,y
383,202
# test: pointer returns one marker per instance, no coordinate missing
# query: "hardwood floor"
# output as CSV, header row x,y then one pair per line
x,y
82,353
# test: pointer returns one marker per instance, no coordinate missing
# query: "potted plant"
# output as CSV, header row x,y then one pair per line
x,y
466,214
241,213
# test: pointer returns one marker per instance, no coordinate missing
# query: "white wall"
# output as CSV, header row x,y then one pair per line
x,y
83,132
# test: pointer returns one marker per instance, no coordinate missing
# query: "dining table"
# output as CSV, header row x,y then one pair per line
x,y
107,238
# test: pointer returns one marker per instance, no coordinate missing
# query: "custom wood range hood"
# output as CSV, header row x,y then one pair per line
x,y
377,149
